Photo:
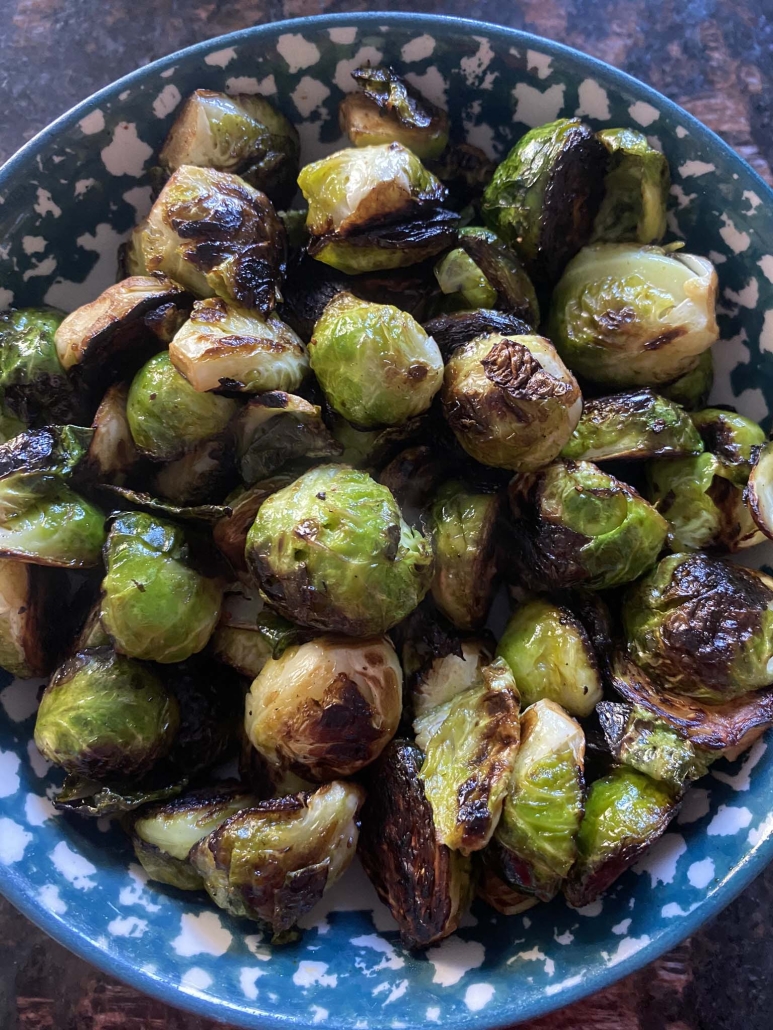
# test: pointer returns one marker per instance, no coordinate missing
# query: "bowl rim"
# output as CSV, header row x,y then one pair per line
x,y
12,885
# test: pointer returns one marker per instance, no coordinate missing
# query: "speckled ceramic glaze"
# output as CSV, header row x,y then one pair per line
x,y
66,202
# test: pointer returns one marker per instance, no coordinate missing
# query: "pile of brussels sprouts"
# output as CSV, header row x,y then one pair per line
x,y
257,499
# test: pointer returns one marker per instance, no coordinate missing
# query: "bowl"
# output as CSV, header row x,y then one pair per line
x,y
68,198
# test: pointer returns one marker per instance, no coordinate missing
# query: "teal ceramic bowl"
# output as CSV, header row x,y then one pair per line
x,y
67,199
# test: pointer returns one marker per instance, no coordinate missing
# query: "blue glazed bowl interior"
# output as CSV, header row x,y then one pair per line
x,y
66,202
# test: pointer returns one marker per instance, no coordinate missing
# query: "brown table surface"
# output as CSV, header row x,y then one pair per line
x,y
714,57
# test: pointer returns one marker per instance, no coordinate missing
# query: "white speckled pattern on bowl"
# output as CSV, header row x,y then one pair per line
x,y
66,202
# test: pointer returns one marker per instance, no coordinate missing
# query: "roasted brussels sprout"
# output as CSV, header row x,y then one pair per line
x,y
155,604
372,448
465,171
734,440
273,862
31,603
510,400
625,812
205,473
544,802
104,716
389,110
326,708
414,475
239,133
224,347
426,885
702,626
692,389
111,455
551,656
230,533
635,189
576,525
167,416
463,526
393,369
32,380
544,196
247,644
758,496
332,552
215,235
451,331
635,424
446,674
627,315
211,703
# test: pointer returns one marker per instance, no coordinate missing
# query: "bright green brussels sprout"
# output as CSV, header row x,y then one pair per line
x,y
155,604
426,885
544,802
274,861
734,440
32,380
635,189
103,715
331,551
393,369
576,525
230,533
692,389
634,424
463,282
625,812
389,110
167,416
162,834
551,656
247,645
31,600
224,347
326,708
216,236
544,196
111,455
510,400
470,744
627,315
463,526
239,133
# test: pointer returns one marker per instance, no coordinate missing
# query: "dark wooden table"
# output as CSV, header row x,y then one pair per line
x,y
714,57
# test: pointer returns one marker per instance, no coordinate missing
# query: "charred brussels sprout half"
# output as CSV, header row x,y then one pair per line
x,y
734,440
167,416
702,626
544,196
155,604
105,716
389,110
31,601
32,379
215,235
465,170
451,331
426,885
446,674
230,533
332,552
224,347
326,708
635,189
510,400
576,525
239,133
273,862
393,369
626,315
204,474
112,454
692,389
551,656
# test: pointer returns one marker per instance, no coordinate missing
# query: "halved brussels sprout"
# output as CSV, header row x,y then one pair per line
x,y
103,716
625,812
544,196
544,802
40,457
205,473
246,645
463,526
393,369
167,416
277,428
635,189
155,604
634,424
470,744
332,552
702,626
326,708
551,656
692,389
576,525
492,889
390,110
733,439
465,170
628,315
32,380
426,885
446,675
224,347
31,603
371,448
758,497
240,133
230,533
273,862
111,456
451,331
510,400
215,235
